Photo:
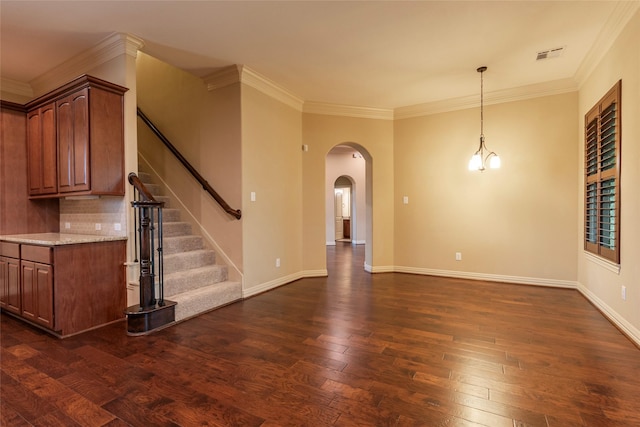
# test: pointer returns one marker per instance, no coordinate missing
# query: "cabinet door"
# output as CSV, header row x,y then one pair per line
x,y
4,284
37,293
42,151
11,287
73,142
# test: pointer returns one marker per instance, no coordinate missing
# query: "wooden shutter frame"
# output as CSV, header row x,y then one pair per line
x,y
611,97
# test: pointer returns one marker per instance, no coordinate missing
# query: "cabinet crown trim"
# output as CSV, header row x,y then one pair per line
x,y
81,82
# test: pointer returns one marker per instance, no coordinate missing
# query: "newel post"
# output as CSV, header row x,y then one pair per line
x,y
147,278
150,314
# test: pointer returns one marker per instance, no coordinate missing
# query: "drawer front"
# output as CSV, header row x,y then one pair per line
x,y
41,254
11,250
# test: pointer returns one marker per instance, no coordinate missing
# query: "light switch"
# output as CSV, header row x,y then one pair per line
x,y
253,196
405,200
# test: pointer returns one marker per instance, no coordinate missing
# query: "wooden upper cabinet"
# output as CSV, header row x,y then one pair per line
x,y
73,142
41,150
88,129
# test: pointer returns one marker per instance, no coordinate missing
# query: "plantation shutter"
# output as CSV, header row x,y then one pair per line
x,y
602,177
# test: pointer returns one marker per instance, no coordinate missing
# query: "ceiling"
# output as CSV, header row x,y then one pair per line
x,y
378,54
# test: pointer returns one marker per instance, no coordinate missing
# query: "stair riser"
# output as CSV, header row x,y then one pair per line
x,y
172,229
188,260
194,279
154,189
145,177
179,244
168,215
165,199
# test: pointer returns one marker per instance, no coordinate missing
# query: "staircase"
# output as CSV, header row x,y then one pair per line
x,y
191,276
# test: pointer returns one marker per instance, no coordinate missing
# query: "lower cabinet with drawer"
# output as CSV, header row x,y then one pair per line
x,y
65,289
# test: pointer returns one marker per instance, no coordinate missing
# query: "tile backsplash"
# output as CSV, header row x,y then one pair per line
x,y
81,216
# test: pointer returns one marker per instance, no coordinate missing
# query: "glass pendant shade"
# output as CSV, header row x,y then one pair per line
x,y
475,163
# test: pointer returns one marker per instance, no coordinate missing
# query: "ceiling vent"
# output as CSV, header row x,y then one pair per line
x,y
550,53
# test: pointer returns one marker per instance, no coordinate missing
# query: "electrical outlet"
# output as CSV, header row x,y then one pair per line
x,y
253,196
277,262
67,225
117,226
624,293
458,256
98,227
405,200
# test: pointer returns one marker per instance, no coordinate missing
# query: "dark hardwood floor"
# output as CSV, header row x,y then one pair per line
x,y
353,349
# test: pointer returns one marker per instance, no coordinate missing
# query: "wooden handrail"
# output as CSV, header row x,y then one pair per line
x,y
148,199
234,212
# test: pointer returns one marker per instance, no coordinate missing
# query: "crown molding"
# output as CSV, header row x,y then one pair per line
x,y
347,111
554,87
109,48
241,73
616,23
223,77
16,88
270,88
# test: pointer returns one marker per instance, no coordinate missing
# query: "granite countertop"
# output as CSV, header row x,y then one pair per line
x,y
57,239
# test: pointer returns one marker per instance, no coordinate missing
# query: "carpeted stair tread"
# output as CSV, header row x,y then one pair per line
x,y
197,301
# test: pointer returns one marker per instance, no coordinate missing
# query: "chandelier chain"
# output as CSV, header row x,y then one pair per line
x,y
482,103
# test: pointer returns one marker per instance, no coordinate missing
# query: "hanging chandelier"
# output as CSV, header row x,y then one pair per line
x,y
483,156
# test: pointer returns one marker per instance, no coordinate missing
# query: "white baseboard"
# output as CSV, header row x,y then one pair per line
x,y
280,281
627,328
379,268
490,277
315,273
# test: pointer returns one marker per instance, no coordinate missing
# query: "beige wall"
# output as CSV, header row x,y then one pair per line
x,y
6,95
272,169
516,223
601,284
374,138
208,137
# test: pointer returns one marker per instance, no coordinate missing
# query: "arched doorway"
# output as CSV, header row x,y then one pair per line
x,y
348,165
